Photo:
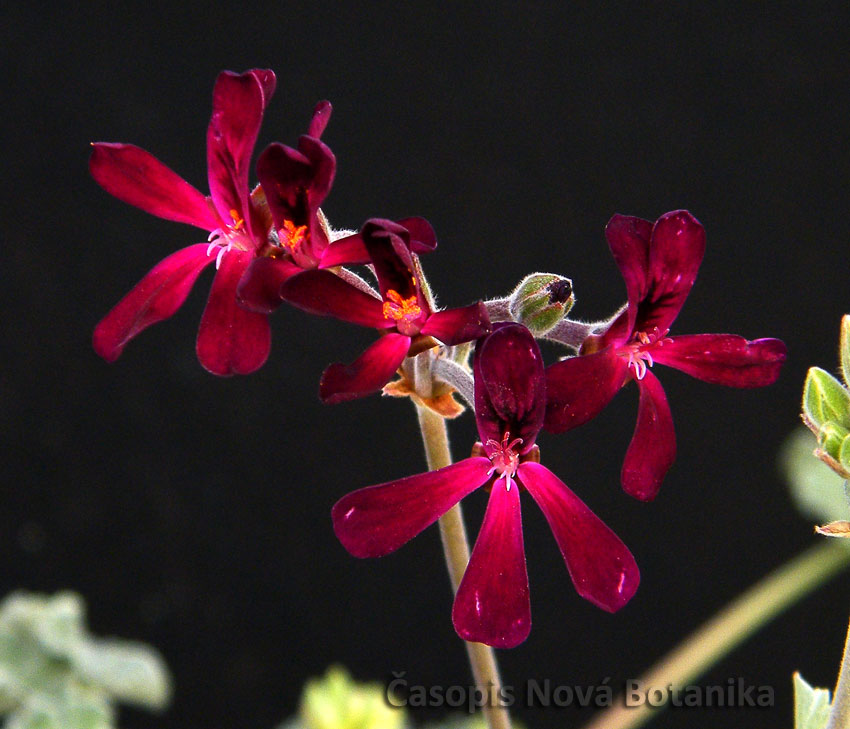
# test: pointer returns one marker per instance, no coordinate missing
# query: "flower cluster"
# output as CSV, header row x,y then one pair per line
x,y
272,244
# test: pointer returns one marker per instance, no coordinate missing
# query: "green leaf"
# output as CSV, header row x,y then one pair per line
x,y
844,348
811,705
825,400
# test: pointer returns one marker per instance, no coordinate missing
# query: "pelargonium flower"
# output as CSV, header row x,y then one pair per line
x,y
659,263
492,601
230,338
403,313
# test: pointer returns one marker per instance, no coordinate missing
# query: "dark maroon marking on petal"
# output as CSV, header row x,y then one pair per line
x,y
259,287
232,340
323,293
377,520
602,568
492,604
724,359
628,237
137,177
367,374
579,388
653,446
156,297
454,326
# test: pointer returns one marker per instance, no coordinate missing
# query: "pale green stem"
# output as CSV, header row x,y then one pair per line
x,y
456,549
839,715
730,627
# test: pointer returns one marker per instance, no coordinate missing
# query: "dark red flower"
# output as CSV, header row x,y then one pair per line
x,y
492,603
230,339
403,313
659,263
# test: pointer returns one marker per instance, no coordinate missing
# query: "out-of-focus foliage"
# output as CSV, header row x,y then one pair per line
x,y
811,705
817,490
55,675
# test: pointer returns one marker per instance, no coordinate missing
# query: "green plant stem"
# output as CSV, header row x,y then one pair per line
x,y
482,658
730,627
839,714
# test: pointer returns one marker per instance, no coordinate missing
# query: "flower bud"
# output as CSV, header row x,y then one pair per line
x,y
540,301
825,400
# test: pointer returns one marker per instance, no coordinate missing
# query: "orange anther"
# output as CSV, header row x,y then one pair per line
x,y
397,308
293,236
238,221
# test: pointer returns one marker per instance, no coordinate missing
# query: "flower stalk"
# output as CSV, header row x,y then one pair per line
x,y
482,658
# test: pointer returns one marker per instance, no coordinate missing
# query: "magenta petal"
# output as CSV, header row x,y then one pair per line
x,y
724,359
367,374
348,250
628,237
232,340
267,80
675,255
422,236
238,104
259,287
600,565
653,446
137,177
377,520
323,293
156,297
492,605
453,326
579,388
321,117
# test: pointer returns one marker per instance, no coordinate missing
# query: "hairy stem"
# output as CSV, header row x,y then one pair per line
x,y
456,549
730,627
839,715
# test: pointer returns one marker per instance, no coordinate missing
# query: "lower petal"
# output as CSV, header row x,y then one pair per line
x,y
232,340
379,519
724,359
323,293
492,605
602,568
156,297
367,374
579,388
455,326
653,446
259,287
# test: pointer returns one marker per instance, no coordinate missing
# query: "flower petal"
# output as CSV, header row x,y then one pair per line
x,y
454,326
724,359
137,177
367,374
348,250
510,388
379,519
675,255
653,446
579,388
232,340
600,565
259,287
422,236
628,237
238,104
321,117
156,297
492,605
323,293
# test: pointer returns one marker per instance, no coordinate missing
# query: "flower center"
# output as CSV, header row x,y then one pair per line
x,y
504,458
223,240
400,309
292,236
638,350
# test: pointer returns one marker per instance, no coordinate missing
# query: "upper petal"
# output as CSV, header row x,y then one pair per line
x,y
628,237
321,117
232,340
259,287
422,236
579,388
600,565
323,293
377,520
368,373
238,104
455,326
156,297
137,177
492,605
510,387
653,446
347,250
724,359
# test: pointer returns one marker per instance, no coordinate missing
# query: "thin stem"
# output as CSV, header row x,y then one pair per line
x,y
455,375
839,715
730,627
456,549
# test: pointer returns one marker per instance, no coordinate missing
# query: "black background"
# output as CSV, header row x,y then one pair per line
x,y
193,512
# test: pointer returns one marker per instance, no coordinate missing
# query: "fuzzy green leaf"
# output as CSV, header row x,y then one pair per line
x,y
825,399
811,705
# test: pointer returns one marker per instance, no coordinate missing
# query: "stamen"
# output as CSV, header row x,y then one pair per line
x,y
639,353
397,308
293,236
238,221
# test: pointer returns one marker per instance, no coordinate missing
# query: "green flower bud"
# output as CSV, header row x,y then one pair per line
x,y
540,301
825,400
